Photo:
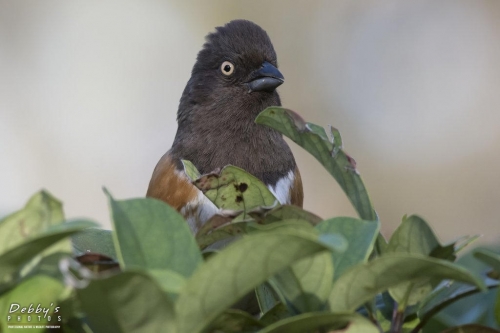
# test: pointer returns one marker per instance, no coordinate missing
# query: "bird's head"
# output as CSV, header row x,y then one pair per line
x,y
237,63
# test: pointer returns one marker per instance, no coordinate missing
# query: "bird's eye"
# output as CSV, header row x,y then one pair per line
x,y
227,68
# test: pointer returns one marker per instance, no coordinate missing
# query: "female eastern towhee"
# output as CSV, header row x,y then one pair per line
x,y
233,80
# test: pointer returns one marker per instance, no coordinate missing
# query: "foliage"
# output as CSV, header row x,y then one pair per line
x,y
284,270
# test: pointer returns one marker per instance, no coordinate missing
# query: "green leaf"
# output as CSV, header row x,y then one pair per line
x,y
331,155
150,234
306,284
94,240
446,294
471,328
289,212
266,297
190,170
360,236
234,189
219,227
170,281
497,308
17,256
362,282
322,322
476,308
127,302
47,265
235,321
414,235
489,257
41,212
276,313
236,270
38,290
225,232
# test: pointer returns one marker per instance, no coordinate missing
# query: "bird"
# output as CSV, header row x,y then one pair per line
x,y
234,78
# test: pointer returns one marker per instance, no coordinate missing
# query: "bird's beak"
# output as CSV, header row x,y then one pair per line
x,y
267,78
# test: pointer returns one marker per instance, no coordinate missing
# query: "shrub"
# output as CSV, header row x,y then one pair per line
x,y
150,274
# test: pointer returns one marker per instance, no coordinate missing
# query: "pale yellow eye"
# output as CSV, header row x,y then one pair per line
x,y
227,68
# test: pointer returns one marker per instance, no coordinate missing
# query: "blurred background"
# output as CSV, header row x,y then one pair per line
x,y
89,92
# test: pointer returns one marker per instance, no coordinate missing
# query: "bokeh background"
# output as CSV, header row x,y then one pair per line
x,y
89,92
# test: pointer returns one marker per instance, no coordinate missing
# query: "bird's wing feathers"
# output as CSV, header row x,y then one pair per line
x,y
288,189
296,191
170,185
175,188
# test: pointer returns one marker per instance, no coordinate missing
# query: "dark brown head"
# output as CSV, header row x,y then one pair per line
x,y
234,78
237,68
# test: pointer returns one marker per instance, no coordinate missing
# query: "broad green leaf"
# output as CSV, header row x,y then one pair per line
x,y
471,328
41,212
306,284
234,189
150,234
323,322
410,293
17,256
94,240
289,212
232,229
266,297
236,270
476,308
414,235
276,313
190,170
362,282
497,308
127,302
446,294
360,236
38,291
170,281
235,321
330,154
73,318
236,229
225,232
489,257
48,265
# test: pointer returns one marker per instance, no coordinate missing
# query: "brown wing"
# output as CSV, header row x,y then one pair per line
x,y
168,185
297,193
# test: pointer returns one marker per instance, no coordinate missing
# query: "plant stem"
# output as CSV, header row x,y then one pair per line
x,y
372,317
397,319
398,314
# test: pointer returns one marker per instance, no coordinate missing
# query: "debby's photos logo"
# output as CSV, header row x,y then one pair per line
x,y
34,316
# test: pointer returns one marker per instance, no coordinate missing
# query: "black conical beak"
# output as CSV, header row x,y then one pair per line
x,y
267,78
